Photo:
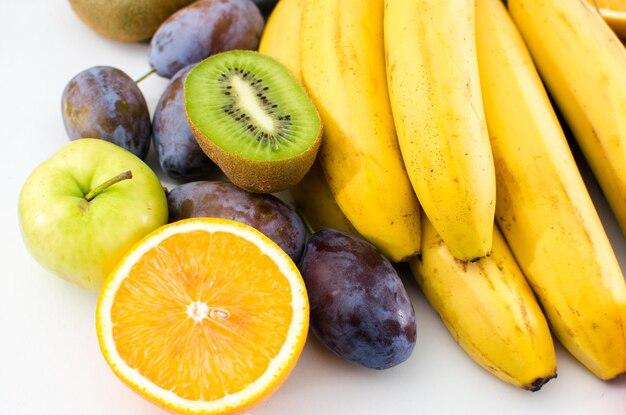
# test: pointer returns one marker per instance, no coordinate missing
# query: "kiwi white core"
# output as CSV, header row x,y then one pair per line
x,y
251,105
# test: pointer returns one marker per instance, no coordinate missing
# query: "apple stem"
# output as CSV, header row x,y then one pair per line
x,y
95,192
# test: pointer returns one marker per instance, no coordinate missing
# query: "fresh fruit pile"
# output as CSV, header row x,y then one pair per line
x,y
403,131
466,126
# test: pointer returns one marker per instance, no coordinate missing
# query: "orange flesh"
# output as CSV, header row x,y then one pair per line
x,y
230,343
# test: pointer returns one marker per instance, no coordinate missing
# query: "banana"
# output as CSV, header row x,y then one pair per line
x,y
614,14
311,196
543,208
281,36
314,200
583,63
489,309
343,70
438,111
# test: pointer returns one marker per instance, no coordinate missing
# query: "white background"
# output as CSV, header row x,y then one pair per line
x,y
50,362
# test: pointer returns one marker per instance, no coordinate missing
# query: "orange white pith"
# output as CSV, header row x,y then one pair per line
x,y
203,316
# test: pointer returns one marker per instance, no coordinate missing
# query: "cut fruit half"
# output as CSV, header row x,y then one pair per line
x,y
253,119
614,14
203,316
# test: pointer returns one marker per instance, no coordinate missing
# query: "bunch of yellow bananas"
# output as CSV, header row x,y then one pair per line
x,y
441,147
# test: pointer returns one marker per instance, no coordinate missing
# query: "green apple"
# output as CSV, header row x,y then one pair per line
x,y
80,211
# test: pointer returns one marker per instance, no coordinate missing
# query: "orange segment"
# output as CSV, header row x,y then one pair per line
x,y
203,316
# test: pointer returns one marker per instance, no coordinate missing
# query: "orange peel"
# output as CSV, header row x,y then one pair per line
x,y
203,316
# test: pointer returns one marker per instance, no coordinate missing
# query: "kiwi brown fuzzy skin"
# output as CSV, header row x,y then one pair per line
x,y
126,20
259,176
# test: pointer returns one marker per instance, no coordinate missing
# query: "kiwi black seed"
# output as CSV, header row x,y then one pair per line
x,y
253,119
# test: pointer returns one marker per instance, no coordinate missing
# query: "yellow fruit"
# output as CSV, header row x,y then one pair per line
x,y
489,309
315,201
343,70
614,14
281,36
438,112
582,63
203,316
543,207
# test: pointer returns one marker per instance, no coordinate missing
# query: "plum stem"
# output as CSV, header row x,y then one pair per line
x,y
144,76
95,192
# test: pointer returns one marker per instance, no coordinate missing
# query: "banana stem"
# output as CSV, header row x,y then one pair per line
x,y
595,3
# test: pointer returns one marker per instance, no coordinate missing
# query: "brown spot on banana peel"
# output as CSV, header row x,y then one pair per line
x,y
483,273
569,24
574,311
524,311
568,331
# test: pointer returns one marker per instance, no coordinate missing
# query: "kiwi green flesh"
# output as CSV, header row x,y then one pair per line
x,y
249,105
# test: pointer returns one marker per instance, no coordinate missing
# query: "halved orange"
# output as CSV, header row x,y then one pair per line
x,y
614,14
203,316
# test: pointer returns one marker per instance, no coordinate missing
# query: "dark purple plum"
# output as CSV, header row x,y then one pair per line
x,y
177,150
359,307
104,102
265,212
202,29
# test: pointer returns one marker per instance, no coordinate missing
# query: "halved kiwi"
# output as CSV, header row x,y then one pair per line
x,y
253,119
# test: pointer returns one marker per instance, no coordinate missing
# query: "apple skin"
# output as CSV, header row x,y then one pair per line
x,y
79,240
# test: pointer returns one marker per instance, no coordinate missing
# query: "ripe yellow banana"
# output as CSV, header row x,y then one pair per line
x,y
583,65
343,70
489,309
614,14
543,207
312,197
438,111
314,200
281,36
